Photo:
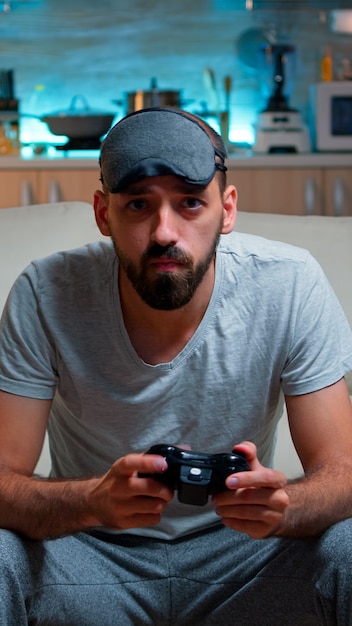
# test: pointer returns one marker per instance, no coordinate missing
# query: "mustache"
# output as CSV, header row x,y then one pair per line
x,y
170,251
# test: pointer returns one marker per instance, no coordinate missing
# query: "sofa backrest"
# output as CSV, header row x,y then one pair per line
x,y
36,231
329,239
31,232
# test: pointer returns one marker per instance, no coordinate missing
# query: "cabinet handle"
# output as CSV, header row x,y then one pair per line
x,y
338,197
309,196
54,192
26,193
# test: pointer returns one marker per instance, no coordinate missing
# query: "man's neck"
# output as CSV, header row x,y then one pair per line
x,y
158,336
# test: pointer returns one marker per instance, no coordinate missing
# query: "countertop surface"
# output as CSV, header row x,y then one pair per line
x,y
90,160
340,160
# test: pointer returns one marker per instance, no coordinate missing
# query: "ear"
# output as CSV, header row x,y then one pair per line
x,y
229,209
101,212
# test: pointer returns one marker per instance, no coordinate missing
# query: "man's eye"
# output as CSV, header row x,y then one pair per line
x,y
192,203
137,205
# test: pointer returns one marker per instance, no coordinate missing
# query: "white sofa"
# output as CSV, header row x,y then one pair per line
x,y
35,231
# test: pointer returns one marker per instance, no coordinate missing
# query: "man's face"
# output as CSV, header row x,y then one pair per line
x,y
165,234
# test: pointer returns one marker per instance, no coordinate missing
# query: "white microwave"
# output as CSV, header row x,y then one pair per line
x,y
331,116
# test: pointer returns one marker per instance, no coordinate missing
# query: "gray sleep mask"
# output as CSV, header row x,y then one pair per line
x,y
157,142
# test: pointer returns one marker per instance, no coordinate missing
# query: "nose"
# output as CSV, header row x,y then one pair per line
x,y
164,231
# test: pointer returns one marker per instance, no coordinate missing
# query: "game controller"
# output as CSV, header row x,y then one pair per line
x,y
196,475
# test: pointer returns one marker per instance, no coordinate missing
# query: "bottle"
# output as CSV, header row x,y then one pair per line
x,y
326,66
33,129
35,102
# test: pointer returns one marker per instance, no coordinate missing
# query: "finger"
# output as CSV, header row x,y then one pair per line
x,y
257,520
140,512
150,487
263,477
253,528
139,521
276,500
141,463
250,451
252,513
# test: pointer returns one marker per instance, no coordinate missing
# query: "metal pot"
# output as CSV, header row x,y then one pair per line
x,y
137,100
79,121
152,97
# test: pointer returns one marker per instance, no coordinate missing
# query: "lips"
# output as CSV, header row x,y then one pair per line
x,y
166,259
165,264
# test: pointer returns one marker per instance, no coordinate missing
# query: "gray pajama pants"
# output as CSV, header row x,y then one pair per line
x,y
216,577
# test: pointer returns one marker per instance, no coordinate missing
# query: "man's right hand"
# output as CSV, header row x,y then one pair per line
x,y
122,499
40,508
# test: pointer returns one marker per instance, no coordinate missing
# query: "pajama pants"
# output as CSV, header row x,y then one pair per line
x,y
217,577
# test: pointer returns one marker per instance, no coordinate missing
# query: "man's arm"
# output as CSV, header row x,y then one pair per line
x,y
40,508
321,429
260,502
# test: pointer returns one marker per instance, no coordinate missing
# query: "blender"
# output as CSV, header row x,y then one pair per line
x,y
280,128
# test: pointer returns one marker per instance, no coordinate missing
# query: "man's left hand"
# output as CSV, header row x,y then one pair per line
x,y
255,501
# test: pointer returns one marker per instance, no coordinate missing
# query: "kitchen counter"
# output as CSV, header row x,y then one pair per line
x,y
89,160
311,160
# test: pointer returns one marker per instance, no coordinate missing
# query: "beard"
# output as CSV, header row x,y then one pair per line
x,y
168,290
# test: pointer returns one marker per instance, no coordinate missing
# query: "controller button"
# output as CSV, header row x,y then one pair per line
x,y
195,473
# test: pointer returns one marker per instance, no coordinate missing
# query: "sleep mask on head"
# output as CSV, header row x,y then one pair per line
x,y
157,142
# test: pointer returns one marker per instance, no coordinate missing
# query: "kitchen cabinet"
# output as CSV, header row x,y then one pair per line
x,y
18,187
309,184
338,192
22,187
296,191
279,190
57,185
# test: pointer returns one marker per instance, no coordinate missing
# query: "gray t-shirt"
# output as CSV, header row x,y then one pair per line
x,y
273,326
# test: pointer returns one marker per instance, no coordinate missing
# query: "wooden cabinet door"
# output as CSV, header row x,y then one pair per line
x,y
59,185
18,188
279,190
338,192
243,181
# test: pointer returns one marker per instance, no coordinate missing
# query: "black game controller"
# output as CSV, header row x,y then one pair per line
x,y
196,475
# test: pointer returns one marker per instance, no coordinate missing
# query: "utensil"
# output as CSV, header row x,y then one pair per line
x,y
137,100
228,88
211,90
152,97
79,121
225,115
